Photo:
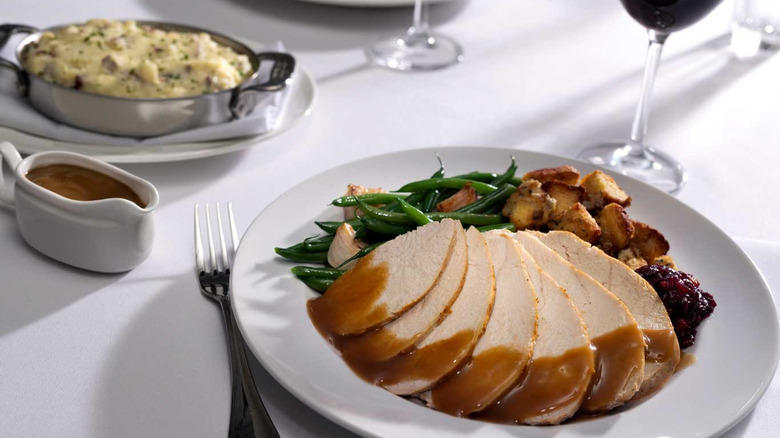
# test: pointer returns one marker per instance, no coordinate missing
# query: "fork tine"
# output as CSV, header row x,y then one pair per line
x,y
213,265
222,247
233,231
198,243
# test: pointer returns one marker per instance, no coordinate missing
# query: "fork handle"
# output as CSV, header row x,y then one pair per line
x,y
237,401
248,416
261,422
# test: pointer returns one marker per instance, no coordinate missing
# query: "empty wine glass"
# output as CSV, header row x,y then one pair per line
x,y
633,157
418,48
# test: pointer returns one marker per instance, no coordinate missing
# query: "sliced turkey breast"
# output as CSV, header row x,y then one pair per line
x,y
503,351
663,350
385,283
402,333
556,382
618,342
441,351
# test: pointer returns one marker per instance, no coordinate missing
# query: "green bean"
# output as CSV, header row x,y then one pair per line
x,y
387,216
382,227
414,213
318,284
498,197
439,173
449,183
485,177
309,271
413,199
468,218
417,197
488,177
444,195
363,252
509,227
299,255
330,227
495,209
430,201
370,198
319,243
360,231
403,219
506,176
297,247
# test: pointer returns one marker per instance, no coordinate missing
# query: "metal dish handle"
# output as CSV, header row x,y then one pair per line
x,y
6,31
281,71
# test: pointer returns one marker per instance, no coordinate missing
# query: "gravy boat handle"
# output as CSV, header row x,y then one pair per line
x,y
11,156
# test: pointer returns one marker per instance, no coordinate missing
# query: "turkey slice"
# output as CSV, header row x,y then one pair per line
x,y
618,342
556,382
503,351
386,282
402,333
663,350
442,350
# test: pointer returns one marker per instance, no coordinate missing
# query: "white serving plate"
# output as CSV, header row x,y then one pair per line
x,y
737,348
299,106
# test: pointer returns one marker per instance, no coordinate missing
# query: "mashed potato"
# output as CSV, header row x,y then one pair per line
x,y
137,61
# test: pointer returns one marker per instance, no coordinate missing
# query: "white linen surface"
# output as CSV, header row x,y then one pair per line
x,y
17,113
144,353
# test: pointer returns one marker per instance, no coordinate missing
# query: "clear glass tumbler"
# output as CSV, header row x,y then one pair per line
x,y
756,27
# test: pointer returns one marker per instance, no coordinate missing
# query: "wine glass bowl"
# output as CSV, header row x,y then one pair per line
x,y
633,157
668,15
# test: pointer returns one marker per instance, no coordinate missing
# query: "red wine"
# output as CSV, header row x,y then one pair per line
x,y
668,16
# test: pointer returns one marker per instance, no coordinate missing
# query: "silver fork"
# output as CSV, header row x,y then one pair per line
x,y
248,416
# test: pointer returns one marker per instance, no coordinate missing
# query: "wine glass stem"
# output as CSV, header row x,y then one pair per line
x,y
639,127
420,18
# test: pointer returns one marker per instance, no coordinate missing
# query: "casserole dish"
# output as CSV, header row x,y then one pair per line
x,y
146,117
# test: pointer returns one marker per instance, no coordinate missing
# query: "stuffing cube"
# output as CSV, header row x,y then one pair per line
x,y
648,241
529,206
600,190
577,220
565,195
565,174
632,258
616,228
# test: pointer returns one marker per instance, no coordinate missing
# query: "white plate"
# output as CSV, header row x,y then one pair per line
x,y
300,105
372,3
737,348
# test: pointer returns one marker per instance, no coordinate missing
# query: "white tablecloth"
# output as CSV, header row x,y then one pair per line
x,y
143,354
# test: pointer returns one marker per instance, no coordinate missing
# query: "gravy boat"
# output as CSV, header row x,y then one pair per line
x,y
107,235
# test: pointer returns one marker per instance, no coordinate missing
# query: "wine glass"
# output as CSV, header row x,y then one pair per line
x,y
633,157
418,48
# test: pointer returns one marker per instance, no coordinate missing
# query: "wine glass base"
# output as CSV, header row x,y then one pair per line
x,y
653,167
415,51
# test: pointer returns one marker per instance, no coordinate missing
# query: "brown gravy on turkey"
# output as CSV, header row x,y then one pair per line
x,y
619,354
548,383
